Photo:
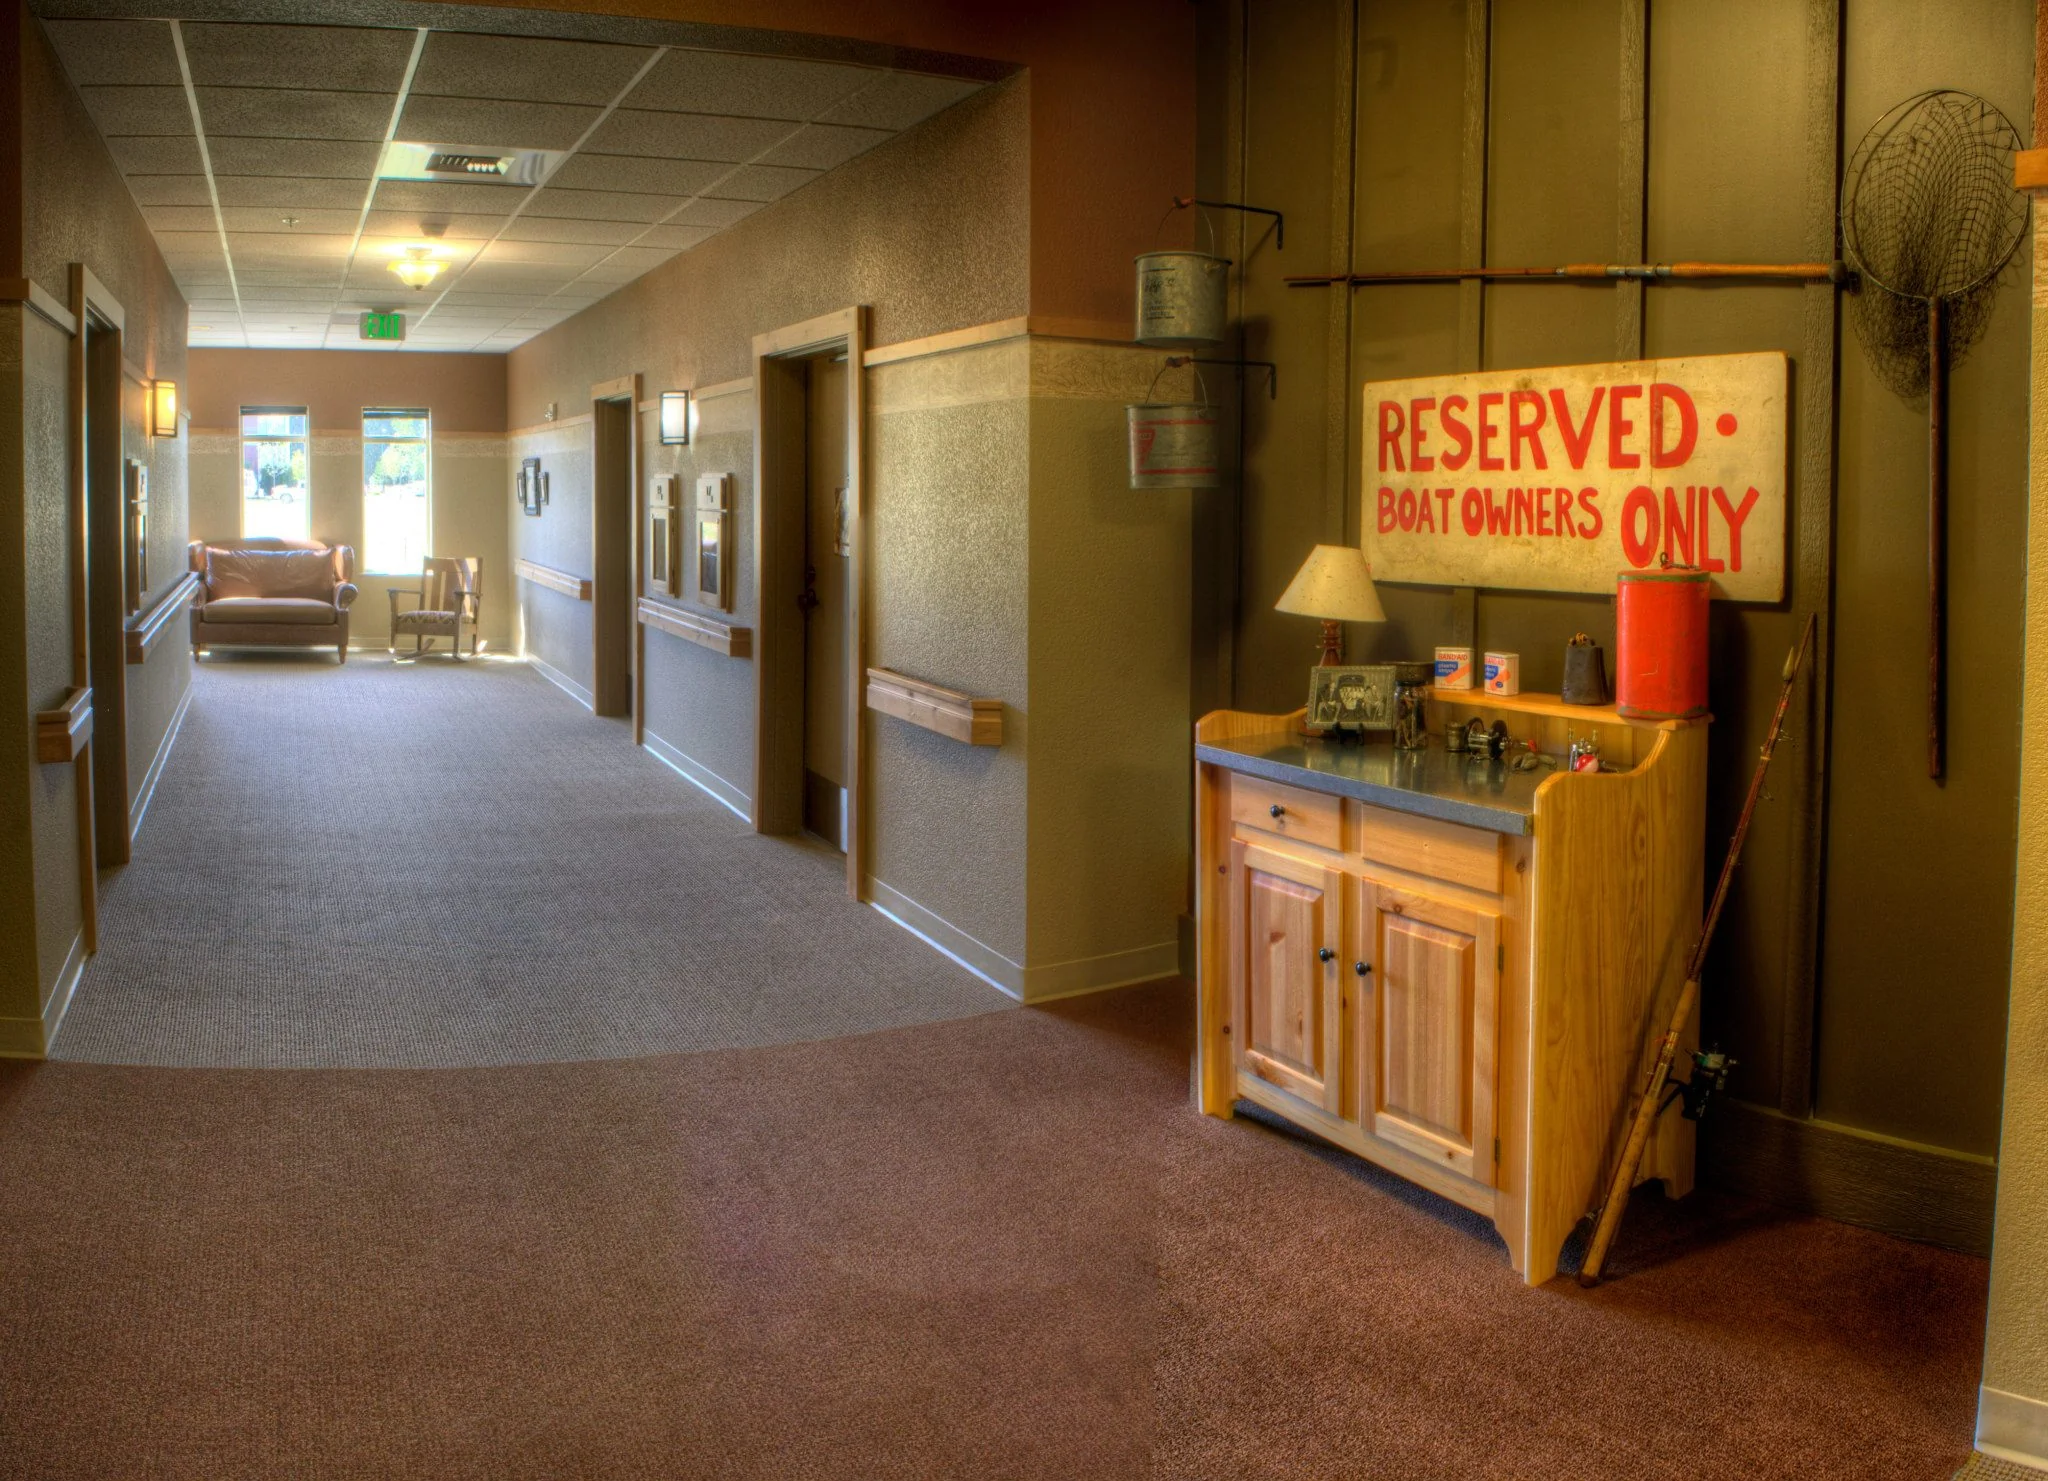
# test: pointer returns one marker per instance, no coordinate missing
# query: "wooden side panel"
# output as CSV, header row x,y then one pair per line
x,y
1436,967
1618,874
1287,918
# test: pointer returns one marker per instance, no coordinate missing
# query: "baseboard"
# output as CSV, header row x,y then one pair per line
x,y
2012,1427
147,790
564,683
1841,1172
700,776
30,1038
1026,984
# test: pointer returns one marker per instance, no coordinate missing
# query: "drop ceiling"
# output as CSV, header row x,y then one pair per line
x,y
252,152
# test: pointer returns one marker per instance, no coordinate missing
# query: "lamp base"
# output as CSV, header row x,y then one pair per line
x,y
1333,643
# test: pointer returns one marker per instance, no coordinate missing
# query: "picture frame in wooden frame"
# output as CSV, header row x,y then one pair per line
x,y
664,535
134,535
1350,697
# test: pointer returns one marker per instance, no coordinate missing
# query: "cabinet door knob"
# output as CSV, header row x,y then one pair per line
x,y
1276,810
1363,969
1326,954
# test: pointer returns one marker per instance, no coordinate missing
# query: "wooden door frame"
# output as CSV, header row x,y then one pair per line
x,y
614,682
779,504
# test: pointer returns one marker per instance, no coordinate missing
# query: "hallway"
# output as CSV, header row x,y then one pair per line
x,y
381,865
999,1245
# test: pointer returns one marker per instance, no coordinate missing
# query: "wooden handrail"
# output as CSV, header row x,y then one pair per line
x,y
695,627
62,733
144,628
948,712
554,580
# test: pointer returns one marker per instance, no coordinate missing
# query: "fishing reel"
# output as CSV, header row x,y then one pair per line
x,y
1710,1069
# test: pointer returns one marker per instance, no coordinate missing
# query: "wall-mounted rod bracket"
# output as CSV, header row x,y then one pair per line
x,y
1272,371
1182,202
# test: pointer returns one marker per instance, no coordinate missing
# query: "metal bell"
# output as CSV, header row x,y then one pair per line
x,y
1585,672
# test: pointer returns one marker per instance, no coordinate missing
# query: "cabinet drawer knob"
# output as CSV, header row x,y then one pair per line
x,y
1276,810
1326,954
1363,969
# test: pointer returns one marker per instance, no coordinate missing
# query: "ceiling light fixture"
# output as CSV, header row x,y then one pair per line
x,y
417,267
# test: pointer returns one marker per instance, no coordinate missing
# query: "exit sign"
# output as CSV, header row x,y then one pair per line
x,y
381,325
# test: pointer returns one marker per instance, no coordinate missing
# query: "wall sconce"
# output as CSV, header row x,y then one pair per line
x,y
675,418
163,408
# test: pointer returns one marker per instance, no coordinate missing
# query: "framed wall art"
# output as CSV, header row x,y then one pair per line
x,y
711,541
664,530
135,536
532,486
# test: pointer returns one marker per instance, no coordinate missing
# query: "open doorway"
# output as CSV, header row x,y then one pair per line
x,y
114,583
809,548
613,417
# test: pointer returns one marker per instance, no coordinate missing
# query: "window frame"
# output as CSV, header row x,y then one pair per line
x,y
425,439
287,439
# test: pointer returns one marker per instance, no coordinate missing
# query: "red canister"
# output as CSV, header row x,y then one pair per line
x,y
1661,622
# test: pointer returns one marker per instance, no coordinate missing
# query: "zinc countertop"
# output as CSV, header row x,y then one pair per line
x,y
1476,791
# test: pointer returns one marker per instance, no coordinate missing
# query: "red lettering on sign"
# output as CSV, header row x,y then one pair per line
x,y
1407,509
1525,509
1577,440
1488,401
1708,560
1390,436
1419,460
1496,515
1520,431
1591,510
1460,433
1688,426
1678,531
1443,497
1564,513
1735,517
1425,513
1543,511
1640,507
1386,510
1472,510
1618,427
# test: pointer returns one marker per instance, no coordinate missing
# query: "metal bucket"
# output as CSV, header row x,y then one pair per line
x,y
1182,299
1175,446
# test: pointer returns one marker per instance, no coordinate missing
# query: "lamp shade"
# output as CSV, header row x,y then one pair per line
x,y
1334,584
163,408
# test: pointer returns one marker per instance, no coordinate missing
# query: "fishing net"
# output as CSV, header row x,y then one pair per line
x,y
1929,212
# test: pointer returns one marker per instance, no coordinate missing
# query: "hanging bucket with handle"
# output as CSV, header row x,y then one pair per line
x,y
1182,299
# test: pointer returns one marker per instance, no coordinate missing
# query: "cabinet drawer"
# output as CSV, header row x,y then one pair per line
x,y
1275,807
1447,851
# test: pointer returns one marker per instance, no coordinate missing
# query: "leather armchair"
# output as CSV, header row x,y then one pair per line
x,y
271,593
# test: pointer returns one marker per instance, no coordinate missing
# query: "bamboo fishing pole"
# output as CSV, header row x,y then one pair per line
x,y
1648,1109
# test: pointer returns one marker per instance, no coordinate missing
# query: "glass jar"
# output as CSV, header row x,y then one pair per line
x,y
1411,690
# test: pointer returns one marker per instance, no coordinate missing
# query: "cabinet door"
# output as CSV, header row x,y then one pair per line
x,y
1286,927
1435,990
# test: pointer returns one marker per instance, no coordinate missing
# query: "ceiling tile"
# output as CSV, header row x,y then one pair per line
x,y
713,213
455,228
544,254
897,100
189,243
745,86
116,52
330,159
163,219
156,156
583,171
531,228
687,135
272,219
169,190
486,121
678,237
433,195
292,244
763,183
459,65
628,263
825,146
506,301
601,205
332,58
138,110
290,193
275,113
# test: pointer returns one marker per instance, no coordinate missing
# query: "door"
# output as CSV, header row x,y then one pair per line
x,y
114,590
611,556
1286,928
1433,969
826,610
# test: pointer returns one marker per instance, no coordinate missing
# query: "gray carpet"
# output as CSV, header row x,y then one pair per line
x,y
418,866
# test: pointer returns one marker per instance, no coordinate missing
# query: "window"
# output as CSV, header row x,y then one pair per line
x,y
398,519
277,496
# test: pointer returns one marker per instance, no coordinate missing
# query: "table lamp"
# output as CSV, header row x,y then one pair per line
x,y
1335,584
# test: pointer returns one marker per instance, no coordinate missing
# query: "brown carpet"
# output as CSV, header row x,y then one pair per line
x,y
1000,1246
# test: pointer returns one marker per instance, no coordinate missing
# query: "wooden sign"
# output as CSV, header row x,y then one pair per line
x,y
1560,479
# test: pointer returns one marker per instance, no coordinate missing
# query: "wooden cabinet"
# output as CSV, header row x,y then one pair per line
x,y
1453,981
1286,936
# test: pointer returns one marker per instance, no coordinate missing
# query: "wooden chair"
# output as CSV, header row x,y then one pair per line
x,y
447,598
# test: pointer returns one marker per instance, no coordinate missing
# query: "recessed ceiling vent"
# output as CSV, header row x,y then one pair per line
x,y
474,163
